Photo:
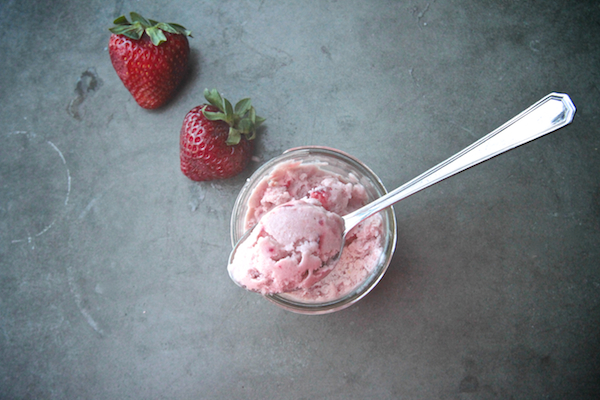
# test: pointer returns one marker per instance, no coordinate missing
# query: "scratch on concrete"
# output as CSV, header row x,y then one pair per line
x,y
79,303
29,238
62,157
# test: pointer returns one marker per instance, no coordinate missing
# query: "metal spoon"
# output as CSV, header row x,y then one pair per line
x,y
551,113
547,115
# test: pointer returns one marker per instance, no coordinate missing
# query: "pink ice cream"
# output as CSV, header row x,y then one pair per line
x,y
338,194
292,247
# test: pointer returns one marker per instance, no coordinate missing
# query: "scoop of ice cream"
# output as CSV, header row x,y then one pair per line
x,y
362,251
291,247
294,180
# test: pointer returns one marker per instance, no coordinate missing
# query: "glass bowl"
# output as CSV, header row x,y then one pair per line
x,y
349,168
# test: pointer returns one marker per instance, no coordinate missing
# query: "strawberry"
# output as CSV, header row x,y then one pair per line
x,y
322,195
150,57
216,139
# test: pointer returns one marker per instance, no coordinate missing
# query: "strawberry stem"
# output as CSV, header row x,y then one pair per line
x,y
242,118
140,25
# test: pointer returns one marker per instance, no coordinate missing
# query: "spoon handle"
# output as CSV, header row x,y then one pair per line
x,y
547,115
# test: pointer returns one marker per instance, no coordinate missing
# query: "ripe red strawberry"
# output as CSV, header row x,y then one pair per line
x,y
216,140
150,57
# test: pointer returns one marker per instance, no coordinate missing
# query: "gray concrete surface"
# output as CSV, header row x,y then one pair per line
x,y
112,263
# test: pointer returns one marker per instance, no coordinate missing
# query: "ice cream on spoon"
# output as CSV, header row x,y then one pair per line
x,y
292,247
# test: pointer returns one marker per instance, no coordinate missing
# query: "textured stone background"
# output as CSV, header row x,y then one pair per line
x,y
112,263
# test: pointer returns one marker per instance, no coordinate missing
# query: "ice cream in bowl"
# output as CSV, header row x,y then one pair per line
x,y
312,185
302,219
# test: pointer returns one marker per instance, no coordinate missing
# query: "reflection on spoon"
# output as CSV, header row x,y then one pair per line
x,y
297,244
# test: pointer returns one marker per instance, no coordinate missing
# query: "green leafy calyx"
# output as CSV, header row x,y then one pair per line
x,y
242,118
138,25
